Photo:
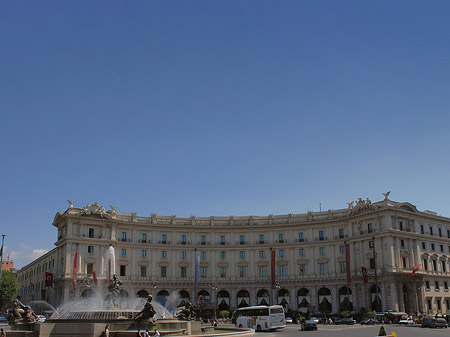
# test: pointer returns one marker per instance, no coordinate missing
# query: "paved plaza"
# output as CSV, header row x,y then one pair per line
x,y
358,330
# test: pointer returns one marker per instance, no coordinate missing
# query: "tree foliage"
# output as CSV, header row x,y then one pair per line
x,y
224,313
9,286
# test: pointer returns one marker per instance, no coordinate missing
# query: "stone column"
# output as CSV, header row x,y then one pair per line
x,y
293,298
334,299
314,298
233,299
401,302
394,297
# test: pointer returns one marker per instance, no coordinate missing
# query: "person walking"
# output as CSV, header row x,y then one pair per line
x,y
2,333
139,333
157,334
107,330
146,333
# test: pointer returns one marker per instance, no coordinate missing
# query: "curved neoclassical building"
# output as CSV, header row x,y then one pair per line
x,y
297,260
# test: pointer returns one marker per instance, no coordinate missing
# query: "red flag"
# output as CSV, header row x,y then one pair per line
x,y
416,268
74,279
94,275
364,274
48,279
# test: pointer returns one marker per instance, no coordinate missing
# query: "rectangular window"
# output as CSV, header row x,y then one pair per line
x,y
183,239
261,238
301,237
282,270
404,262
281,238
341,233
302,270
400,224
163,254
323,269
123,270
144,252
222,239
448,233
427,285
123,252
90,249
203,255
431,231
436,285
440,232
242,239
144,237
444,268
422,231
262,271
369,228
223,271
321,235
429,304
341,249
425,264
183,272
242,254
448,304
301,252
432,246
203,272
223,255
89,268
424,245
445,285
164,239
203,239
242,271
143,271
261,254
322,250
343,268
402,243
434,265
91,232
124,236
163,271
281,252
438,302
442,248
183,255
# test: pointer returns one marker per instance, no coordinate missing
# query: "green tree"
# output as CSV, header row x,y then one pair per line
x,y
9,286
224,313
345,313
370,314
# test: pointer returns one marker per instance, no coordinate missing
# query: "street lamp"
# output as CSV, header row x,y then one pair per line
x,y
214,287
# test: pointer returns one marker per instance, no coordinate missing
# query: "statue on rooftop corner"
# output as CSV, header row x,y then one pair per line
x,y
71,202
386,195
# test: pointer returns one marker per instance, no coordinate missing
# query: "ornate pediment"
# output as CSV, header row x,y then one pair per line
x,y
95,208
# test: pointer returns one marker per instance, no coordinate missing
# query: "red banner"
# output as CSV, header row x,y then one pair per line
x,y
347,262
48,279
416,268
273,269
94,275
364,274
74,278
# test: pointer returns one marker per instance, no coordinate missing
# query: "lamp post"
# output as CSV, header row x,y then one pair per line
x,y
214,287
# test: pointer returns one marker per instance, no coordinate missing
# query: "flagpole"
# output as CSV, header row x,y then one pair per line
x,y
1,257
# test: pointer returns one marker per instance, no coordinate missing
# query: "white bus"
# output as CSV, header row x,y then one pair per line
x,y
261,317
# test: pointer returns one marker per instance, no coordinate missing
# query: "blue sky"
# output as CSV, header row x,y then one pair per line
x,y
219,108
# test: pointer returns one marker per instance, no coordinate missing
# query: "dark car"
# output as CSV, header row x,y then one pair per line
x,y
347,321
439,323
369,321
309,325
427,322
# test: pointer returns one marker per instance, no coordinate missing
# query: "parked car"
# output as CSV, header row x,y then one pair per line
x,y
315,319
406,321
369,321
288,320
347,321
309,325
439,323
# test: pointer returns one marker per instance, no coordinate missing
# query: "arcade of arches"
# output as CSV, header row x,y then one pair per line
x,y
318,298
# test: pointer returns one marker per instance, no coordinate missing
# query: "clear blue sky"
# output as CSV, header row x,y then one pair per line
x,y
219,108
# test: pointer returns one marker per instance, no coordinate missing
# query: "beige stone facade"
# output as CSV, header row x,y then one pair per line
x,y
156,255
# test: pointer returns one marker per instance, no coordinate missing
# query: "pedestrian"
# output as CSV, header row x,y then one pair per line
x,y
146,333
157,334
2,333
138,333
107,330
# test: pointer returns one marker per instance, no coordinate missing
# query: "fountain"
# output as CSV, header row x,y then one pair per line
x,y
87,317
